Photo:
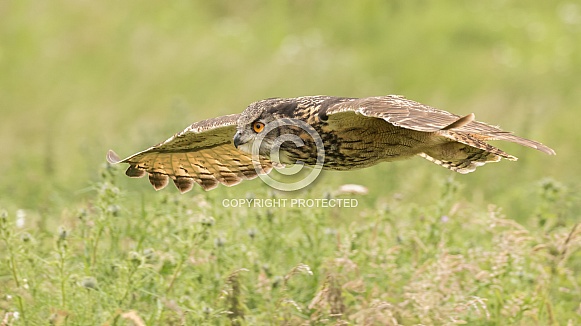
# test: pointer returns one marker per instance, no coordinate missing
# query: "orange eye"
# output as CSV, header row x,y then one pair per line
x,y
258,126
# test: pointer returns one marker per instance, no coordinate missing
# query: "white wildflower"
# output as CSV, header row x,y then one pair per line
x,y
351,189
20,218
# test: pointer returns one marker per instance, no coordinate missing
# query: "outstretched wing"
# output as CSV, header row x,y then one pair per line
x,y
409,114
202,153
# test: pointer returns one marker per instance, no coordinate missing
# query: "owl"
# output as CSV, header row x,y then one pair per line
x,y
333,133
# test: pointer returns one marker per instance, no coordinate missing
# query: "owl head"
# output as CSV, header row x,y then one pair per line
x,y
273,128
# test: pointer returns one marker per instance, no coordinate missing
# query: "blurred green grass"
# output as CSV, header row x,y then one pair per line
x,y
80,77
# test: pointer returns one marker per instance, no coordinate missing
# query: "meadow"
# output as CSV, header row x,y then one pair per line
x,y
82,244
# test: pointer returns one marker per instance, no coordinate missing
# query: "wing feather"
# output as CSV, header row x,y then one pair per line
x,y
409,114
202,153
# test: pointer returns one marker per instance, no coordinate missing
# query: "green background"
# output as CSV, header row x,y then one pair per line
x,y
80,77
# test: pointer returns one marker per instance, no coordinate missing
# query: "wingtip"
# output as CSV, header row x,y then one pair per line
x,y
547,150
112,157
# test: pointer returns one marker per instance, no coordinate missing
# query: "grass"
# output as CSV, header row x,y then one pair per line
x,y
189,260
81,244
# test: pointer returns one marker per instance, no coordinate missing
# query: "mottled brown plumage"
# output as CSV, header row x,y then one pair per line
x,y
355,132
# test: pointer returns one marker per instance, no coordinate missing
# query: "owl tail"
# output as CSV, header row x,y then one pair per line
x,y
463,153
465,165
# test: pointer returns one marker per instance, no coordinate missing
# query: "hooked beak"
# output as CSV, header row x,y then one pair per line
x,y
237,139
